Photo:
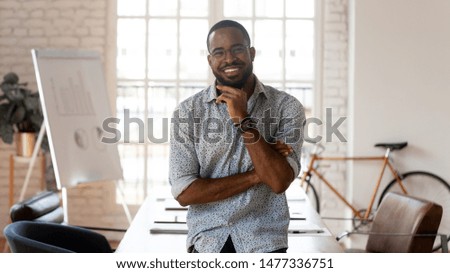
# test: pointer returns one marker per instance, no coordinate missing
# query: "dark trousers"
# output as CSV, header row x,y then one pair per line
x,y
228,247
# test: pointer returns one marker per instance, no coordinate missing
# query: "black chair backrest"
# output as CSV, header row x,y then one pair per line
x,y
42,237
44,206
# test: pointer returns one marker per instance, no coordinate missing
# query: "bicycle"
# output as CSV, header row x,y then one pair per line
x,y
420,184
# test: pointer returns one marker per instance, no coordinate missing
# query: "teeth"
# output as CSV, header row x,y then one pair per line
x,y
230,70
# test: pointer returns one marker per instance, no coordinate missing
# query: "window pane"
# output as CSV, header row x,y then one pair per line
x,y
237,8
193,55
158,165
276,85
131,111
194,8
131,48
162,100
269,48
162,7
131,8
162,63
269,8
132,158
187,90
300,8
303,92
299,49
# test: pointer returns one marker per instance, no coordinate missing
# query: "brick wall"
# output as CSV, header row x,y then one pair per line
x,y
81,24
334,96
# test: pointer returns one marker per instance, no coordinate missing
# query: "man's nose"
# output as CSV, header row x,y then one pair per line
x,y
229,56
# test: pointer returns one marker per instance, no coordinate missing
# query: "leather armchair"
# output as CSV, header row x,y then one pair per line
x,y
42,237
403,224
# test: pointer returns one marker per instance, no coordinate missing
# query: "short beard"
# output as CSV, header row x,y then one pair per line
x,y
236,84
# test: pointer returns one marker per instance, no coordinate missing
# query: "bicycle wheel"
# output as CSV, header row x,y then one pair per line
x,y
313,197
427,186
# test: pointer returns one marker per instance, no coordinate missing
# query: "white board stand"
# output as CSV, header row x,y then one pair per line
x,y
63,189
75,103
33,158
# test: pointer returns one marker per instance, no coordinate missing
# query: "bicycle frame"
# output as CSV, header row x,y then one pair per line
x,y
386,163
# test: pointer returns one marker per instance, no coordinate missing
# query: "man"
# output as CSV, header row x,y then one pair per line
x,y
228,157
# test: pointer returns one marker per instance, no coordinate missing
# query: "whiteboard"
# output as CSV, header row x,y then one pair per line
x,y
75,103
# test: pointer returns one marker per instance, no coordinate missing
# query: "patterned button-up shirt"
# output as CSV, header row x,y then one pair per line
x,y
204,143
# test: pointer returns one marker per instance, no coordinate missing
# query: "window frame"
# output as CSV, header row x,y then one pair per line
x,y
216,14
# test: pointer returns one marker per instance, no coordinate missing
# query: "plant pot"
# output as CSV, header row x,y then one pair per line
x,y
25,143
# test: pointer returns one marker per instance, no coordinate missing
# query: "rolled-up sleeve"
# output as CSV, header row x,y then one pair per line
x,y
183,162
291,131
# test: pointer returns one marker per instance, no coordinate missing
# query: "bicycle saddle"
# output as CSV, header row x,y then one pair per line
x,y
392,146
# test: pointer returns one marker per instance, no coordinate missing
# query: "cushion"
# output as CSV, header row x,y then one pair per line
x,y
54,216
35,207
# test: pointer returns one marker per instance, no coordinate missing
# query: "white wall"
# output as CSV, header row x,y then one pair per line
x,y
400,84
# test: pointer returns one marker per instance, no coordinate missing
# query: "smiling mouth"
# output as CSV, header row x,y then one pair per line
x,y
231,70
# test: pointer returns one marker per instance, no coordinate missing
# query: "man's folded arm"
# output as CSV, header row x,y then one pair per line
x,y
206,190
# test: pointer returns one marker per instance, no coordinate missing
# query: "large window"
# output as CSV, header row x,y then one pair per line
x,y
161,60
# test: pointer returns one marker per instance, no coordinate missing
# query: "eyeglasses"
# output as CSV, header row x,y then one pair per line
x,y
236,50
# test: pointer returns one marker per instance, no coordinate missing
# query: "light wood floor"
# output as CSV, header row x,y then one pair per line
x,y
2,245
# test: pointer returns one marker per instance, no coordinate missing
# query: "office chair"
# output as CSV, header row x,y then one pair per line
x,y
46,207
402,224
44,237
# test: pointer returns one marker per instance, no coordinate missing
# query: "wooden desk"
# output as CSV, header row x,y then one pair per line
x,y
138,238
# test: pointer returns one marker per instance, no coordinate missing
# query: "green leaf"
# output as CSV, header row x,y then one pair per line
x,y
11,77
6,133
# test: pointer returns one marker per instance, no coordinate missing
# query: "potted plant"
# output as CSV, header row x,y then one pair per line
x,y
20,114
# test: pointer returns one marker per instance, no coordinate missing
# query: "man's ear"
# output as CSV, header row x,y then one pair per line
x,y
252,53
209,60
